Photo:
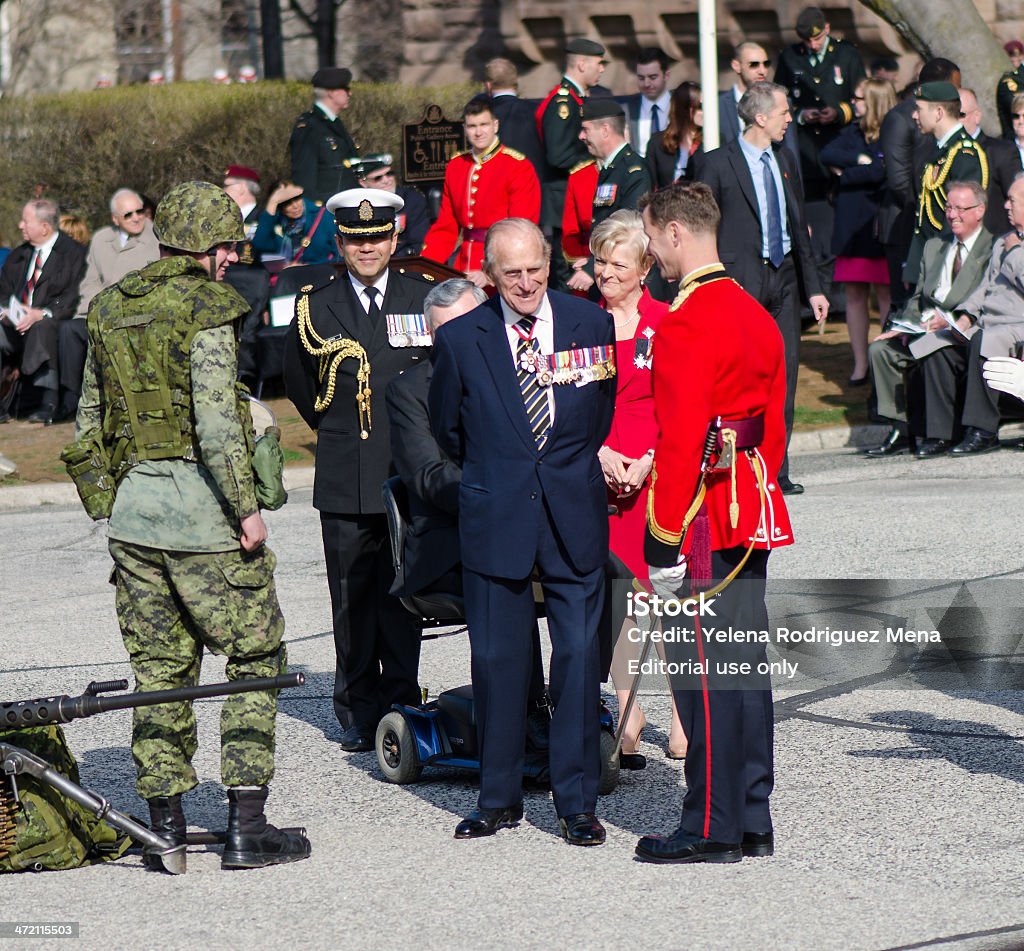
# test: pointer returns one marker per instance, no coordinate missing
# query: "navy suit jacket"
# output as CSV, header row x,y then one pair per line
x,y
479,420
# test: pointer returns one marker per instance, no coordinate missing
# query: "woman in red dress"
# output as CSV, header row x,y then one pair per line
x,y
621,263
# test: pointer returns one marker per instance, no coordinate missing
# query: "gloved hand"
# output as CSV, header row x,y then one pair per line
x,y
1005,374
667,582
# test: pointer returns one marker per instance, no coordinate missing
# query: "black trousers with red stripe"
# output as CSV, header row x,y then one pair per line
x,y
728,717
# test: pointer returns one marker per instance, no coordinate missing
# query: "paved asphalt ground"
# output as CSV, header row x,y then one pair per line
x,y
897,808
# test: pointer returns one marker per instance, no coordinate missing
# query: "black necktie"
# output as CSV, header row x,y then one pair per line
x,y
373,311
655,121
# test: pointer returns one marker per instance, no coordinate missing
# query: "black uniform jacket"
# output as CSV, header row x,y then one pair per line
x,y
350,469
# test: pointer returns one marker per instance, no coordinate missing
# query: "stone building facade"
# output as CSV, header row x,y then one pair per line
x,y
57,45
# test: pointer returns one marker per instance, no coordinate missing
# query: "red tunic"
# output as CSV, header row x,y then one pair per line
x,y
502,184
578,213
720,353
633,432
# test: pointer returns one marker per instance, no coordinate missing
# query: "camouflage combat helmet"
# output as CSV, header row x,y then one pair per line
x,y
197,216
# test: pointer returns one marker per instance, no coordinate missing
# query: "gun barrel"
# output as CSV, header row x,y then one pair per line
x,y
26,713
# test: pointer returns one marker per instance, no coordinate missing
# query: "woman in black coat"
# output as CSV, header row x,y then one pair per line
x,y
855,155
669,152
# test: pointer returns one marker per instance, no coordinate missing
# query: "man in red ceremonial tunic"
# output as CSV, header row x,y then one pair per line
x,y
720,356
578,214
488,183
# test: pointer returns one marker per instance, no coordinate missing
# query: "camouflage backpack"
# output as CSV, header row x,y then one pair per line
x,y
44,829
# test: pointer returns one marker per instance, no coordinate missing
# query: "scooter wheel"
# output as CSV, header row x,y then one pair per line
x,y
609,765
396,750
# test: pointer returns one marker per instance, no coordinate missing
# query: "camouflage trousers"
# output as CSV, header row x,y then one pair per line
x,y
172,605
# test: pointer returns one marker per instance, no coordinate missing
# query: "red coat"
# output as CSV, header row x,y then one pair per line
x,y
501,185
634,431
578,213
719,353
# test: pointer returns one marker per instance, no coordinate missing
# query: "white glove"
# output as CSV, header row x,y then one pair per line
x,y
1005,374
667,581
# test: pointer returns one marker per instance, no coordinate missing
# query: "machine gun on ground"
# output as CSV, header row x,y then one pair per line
x,y
23,718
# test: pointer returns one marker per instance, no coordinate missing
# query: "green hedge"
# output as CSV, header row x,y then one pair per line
x,y
78,148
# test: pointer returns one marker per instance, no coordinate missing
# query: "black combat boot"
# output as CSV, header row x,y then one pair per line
x,y
252,842
167,820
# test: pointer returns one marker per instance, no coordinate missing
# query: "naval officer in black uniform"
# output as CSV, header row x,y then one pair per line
x,y
352,334
321,147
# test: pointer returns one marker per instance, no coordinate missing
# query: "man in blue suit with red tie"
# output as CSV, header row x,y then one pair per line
x,y
521,398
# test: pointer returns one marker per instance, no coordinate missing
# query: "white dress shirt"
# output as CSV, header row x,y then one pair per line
x,y
643,121
946,277
381,284
43,254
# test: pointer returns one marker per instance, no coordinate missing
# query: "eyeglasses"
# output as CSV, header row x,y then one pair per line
x,y
380,176
960,209
134,213
759,62
1017,115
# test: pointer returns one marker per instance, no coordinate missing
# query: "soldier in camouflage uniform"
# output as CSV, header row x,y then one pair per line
x,y
187,538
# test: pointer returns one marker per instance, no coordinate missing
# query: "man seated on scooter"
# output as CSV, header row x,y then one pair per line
x,y
431,558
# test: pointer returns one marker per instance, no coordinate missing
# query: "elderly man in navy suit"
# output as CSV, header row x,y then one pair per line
x,y
522,397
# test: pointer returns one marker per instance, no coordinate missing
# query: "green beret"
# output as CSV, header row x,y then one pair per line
x,y
937,92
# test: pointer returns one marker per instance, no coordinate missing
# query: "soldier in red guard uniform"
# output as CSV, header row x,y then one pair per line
x,y
488,183
714,513
578,215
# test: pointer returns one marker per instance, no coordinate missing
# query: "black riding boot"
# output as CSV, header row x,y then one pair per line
x,y
252,842
167,820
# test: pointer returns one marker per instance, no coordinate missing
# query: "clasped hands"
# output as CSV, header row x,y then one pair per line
x,y
624,475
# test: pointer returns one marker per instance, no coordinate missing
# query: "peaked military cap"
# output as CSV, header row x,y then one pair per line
x,y
364,211
937,92
810,23
332,77
601,109
583,47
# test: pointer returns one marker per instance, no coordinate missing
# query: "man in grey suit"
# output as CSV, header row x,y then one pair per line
x,y
993,321
894,355
750,63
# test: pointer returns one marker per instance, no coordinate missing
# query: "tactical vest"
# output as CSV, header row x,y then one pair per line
x,y
141,331
44,829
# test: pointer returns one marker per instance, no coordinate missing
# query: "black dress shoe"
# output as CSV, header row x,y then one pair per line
x,y
682,847
790,488
896,442
481,822
356,740
44,416
4,417
860,380
632,761
976,442
930,448
758,844
582,829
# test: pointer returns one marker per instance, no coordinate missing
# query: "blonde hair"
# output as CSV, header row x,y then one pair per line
x,y
879,97
622,228
75,227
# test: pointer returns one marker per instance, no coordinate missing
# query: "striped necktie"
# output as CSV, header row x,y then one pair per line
x,y
33,279
535,396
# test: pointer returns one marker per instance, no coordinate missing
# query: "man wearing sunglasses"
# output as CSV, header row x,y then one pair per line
x,y
128,244
413,221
